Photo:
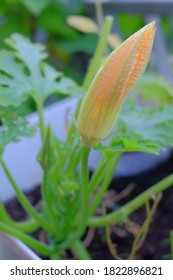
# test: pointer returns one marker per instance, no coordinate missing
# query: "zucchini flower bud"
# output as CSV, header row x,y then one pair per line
x,y
47,153
112,83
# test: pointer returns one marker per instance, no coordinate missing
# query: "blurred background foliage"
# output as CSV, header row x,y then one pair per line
x,y
45,21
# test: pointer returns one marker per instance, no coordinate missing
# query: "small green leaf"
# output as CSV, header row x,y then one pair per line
x,y
13,128
129,143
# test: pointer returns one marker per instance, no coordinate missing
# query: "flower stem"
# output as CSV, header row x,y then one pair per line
x,y
41,118
83,214
111,170
47,201
84,189
98,175
55,256
133,205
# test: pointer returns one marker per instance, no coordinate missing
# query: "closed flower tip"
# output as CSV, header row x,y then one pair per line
x,y
112,83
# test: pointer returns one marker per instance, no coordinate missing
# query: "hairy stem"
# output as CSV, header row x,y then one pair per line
x,y
47,200
84,190
83,214
98,175
111,170
26,226
41,118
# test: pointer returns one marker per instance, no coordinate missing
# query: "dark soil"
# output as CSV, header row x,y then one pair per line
x,y
156,245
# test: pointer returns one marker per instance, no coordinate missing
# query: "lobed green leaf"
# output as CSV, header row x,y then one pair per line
x,y
154,89
141,129
12,128
24,73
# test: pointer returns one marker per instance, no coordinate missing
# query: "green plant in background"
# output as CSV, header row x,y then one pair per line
x,y
29,15
69,197
136,22
87,25
44,21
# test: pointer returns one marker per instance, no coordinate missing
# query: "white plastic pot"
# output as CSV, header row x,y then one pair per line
x,y
14,249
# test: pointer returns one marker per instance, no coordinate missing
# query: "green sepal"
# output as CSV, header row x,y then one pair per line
x,y
47,154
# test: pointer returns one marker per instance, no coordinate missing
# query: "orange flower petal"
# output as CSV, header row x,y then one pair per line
x,y
112,83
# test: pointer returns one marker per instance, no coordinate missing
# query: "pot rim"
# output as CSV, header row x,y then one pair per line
x,y
20,249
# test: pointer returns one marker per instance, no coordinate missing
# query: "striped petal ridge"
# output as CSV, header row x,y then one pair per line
x,y
112,83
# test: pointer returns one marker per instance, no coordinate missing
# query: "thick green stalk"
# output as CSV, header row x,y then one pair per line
x,y
84,191
74,160
98,175
26,226
25,202
83,214
80,251
41,118
30,241
124,211
47,201
55,256
99,196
